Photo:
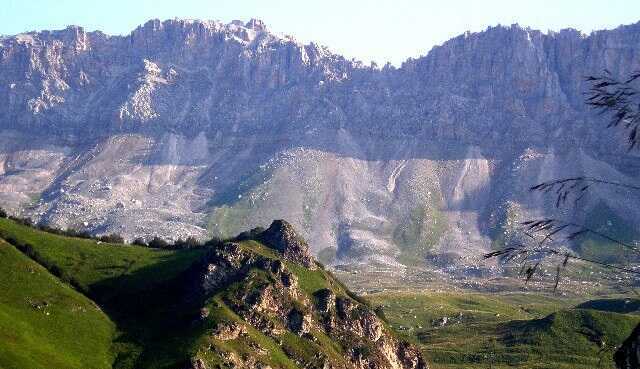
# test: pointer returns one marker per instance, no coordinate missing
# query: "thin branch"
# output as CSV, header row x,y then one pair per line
x,y
554,226
577,186
543,186
619,99
567,256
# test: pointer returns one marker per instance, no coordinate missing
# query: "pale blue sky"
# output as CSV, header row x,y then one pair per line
x,y
380,30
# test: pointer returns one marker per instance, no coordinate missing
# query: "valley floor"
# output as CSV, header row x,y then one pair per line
x,y
465,323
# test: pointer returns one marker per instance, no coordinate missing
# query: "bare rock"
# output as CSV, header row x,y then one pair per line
x,y
325,300
299,322
228,331
197,364
282,237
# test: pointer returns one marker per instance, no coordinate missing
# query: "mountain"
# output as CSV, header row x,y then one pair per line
x,y
253,303
198,127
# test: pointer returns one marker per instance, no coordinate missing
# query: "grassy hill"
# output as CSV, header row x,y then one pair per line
x,y
135,286
241,304
91,264
510,330
44,323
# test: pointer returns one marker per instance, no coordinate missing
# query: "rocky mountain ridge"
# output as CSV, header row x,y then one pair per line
x,y
204,127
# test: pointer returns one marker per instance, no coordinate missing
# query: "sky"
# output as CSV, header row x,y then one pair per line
x,y
367,30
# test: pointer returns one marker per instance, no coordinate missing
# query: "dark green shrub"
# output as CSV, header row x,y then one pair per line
x,y
249,235
379,310
139,242
24,221
158,243
363,351
189,243
214,242
112,238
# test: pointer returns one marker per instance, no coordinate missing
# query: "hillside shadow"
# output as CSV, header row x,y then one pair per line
x,y
154,317
622,306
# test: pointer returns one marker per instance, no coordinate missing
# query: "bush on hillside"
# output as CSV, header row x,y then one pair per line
x,y
158,243
189,243
249,235
139,242
78,234
214,242
24,221
112,238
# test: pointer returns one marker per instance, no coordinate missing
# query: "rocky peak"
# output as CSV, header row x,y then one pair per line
x,y
281,237
256,25
189,32
265,296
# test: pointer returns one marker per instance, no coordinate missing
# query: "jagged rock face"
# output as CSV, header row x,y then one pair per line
x,y
230,331
266,295
196,127
326,299
628,355
228,262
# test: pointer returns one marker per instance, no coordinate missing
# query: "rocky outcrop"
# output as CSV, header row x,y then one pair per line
x,y
249,281
230,261
191,127
228,331
282,237
325,300
197,364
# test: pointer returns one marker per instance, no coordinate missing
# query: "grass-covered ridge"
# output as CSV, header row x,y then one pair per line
x,y
93,264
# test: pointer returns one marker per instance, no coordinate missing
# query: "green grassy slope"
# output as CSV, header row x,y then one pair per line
x,y
584,338
136,286
98,265
46,324
141,291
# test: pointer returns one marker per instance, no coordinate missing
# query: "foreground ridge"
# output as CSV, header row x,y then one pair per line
x,y
223,305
